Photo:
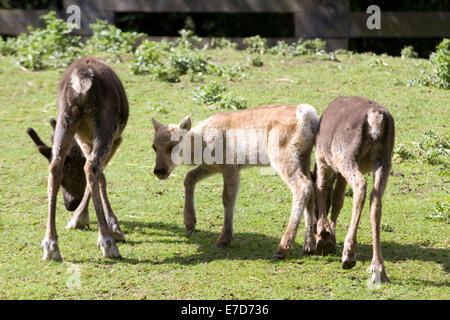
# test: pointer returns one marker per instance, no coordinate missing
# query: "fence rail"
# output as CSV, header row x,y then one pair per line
x,y
330,20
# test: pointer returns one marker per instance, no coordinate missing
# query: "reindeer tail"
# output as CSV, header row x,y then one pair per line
x,y
81,80
375,121
307,117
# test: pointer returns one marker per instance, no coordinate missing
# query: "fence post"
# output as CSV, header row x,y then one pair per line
x,y
327,19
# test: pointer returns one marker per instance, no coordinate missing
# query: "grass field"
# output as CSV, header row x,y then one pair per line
x,y
159,262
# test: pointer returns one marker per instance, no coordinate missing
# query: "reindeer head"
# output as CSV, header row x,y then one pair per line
x,y
74,179
163,144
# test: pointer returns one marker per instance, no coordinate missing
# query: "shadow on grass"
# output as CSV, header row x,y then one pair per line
x,y
255,246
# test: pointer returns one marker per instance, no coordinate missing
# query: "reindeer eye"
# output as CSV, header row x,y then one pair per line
x,y
154,147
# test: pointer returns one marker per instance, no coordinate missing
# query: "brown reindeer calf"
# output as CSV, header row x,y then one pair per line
x,y
73,183
93,110
278,135
355,136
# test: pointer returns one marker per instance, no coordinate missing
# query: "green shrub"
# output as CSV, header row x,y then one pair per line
x,y
52,46
188,39
167,62
401,152
441,212
256,44
408,52
298,48
433,146
280,49
230,73
209,94
441,63
107,38
255,61
8,47
160,108
440,60
222,43
234,103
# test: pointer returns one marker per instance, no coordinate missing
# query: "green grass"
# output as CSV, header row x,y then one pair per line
x,y
158,261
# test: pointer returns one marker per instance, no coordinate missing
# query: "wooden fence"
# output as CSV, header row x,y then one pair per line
x,y
327,19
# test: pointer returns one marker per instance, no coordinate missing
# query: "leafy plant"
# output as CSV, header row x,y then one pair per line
x,y
300,47
441,212
160,108
408,52
223,43
386,228
52,46
209,94
255,61
230,73
440,60
280,49
107,38
166,62
441,63
433,147
188,39
402,153
234,103
8,47
256,44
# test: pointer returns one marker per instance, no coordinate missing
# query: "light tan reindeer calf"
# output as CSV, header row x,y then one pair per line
x,y
278,135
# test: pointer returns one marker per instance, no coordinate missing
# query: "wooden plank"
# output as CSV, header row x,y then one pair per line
x,y
323,19
15,21
402,24
201,5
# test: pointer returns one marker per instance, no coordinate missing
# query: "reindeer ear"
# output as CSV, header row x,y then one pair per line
x,y
53,123
185,124
45,150
156,124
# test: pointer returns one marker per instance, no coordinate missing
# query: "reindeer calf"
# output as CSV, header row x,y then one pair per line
x,y
279,135
93,110
356,135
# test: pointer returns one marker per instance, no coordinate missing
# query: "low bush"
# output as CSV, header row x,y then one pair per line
x,y
107,38
211,95
434,148
408,52
440,61
52,46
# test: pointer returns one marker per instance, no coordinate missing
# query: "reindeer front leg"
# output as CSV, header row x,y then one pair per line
x,y
192,177
63,138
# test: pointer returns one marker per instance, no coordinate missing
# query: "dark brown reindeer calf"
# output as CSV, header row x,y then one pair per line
x,y
356,135
73,183
93,110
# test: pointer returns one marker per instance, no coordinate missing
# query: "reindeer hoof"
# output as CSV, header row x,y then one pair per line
x,y
378,274
51,250
78,222
109,247
326,244
220,244
190,232
117,233
348,261
309,248
279,255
